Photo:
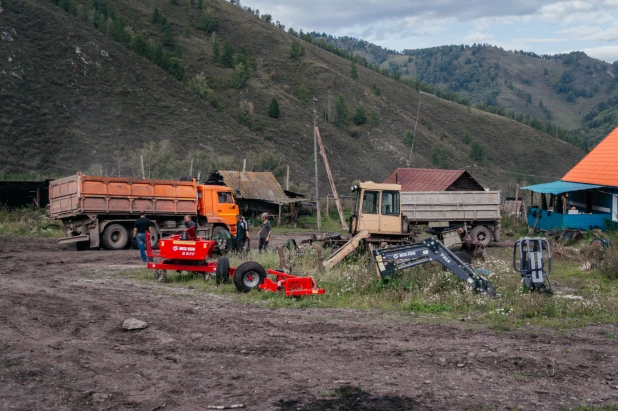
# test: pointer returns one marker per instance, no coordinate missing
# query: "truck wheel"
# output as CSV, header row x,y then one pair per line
x,y
481,234
217,230
248,276
222,274
115,237
154,238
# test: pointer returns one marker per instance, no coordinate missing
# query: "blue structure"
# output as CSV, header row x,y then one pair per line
x,y
573,205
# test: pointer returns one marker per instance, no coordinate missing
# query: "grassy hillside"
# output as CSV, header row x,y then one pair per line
x,y
81,91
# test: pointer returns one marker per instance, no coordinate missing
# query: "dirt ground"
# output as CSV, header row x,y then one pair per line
x,y
62,347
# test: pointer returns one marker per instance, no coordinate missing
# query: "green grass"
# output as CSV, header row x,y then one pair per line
x,y
428,292
28,222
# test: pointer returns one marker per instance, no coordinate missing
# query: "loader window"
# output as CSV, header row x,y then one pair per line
x,y
370,202
225,198
390,203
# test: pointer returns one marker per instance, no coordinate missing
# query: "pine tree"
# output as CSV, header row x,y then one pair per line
x,y
302,94
353,71
273,108
297,50
342,111
227,57
466,138
408,138
360,117
156,16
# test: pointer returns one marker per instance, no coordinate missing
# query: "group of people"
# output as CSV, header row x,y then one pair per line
x,y
144,224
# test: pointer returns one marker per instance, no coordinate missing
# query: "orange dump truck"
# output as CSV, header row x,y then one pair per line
x,y
101,211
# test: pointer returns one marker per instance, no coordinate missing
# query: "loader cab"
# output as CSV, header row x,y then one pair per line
x,y
377,209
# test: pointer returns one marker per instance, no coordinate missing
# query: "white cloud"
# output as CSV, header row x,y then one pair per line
x,y
605,53
478,37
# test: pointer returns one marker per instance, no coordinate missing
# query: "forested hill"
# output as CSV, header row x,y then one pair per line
x,y
569,90
95,85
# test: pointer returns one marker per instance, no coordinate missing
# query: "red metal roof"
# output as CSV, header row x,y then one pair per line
x,y
424,179
600,166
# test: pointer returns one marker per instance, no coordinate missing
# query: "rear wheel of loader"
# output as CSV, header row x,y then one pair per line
x,y
481,234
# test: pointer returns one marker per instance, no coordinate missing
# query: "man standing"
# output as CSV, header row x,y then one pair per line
x,y
264,232
242,233
189,222
139,232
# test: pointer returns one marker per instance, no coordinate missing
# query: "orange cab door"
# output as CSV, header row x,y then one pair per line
x,y
390,218
369,217
226,208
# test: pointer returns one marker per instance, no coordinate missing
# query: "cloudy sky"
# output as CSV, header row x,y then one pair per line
x,y
542,26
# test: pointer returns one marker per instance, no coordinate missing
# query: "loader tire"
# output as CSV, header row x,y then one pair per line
x,y
160,276
115,237
248,276
222,274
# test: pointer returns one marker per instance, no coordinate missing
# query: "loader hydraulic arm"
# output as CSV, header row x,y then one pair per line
x,y
390,260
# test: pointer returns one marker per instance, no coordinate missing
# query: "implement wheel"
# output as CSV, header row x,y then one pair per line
x,y
160,276
248,276
222,274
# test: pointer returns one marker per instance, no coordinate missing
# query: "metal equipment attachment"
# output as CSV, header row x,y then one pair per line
x,y
532,259
390,260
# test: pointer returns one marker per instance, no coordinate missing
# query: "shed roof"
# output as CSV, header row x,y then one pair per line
x,y
600,166
251,185
559,187
424,179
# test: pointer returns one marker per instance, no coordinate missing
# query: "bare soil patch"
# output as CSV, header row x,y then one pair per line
x,y
62,347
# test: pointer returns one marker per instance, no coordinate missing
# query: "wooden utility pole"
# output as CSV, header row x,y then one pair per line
x,y
287,179
315,156
516,216
191,169
330,179
244,164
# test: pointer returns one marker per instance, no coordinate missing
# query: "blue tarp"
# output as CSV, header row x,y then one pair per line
x,y
559,187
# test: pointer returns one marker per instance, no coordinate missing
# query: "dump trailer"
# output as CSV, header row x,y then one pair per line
x,y
101,211
478,211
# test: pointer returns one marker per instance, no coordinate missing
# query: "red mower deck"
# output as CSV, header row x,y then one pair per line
x,y
177,254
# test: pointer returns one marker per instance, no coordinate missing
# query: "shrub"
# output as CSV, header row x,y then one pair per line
x,y
297,50
466,138
477,152
302,94
342,111
198,85
245,113
374,119
408,138
353,71
273,109
359,117
439,157
207,22
241,76
227,57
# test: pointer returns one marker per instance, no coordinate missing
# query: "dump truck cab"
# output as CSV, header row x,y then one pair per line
x,y
218,203
378,210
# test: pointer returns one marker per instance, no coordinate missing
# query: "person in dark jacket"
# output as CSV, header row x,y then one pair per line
x,y
242,233
264,232
142,224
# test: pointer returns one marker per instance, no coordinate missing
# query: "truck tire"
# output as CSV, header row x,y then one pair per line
x,y
248,276
217,230
222,273
481,234
115,237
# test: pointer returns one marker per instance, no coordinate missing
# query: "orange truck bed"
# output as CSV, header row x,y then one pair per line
x,y
80,194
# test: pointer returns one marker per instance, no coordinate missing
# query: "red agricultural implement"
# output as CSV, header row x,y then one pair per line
x,y
190,253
